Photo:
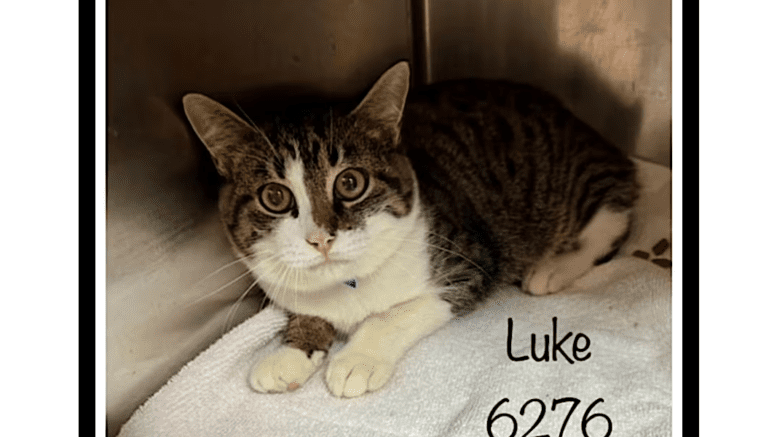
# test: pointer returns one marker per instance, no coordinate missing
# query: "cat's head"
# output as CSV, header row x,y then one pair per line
x,y
316,201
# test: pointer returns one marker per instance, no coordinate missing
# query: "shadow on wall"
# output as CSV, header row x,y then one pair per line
x,y
522,41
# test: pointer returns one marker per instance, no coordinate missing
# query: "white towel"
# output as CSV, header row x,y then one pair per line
x,y
450,383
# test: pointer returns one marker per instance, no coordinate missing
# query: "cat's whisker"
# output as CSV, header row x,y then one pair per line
x,y
476,265
280,287
218,290
436,276
233,309
296,295
296,287
435,234
220,269
246,115
266,258
286,282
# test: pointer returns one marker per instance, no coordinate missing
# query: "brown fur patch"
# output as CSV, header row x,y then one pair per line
x,y
309,333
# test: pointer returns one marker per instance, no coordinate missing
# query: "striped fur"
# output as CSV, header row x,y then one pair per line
x,y
507,175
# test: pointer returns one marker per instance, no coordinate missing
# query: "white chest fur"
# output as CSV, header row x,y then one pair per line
x,y
405,275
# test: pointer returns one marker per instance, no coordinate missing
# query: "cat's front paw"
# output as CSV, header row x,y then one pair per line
x,y
548,278
285,370
536,281
353,373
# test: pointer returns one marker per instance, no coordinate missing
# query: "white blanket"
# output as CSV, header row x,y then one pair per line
x,y
450,383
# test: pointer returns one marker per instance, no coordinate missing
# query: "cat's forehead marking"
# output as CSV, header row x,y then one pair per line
x,y
295,145
295,174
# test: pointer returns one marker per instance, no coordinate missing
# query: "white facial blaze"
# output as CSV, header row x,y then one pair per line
x,y
387,252
289,238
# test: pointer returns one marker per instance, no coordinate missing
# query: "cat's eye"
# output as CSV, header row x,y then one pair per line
x,y
351,183
276,198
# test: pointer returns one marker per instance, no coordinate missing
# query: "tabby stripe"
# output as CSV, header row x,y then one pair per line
x,y
237,208
529,134
582,163
279,166
334,155
290,149
595,189
484,147
477,134
510,167
393,183
530,173
590,176
315,150
272,138
442,129
563,168
457,153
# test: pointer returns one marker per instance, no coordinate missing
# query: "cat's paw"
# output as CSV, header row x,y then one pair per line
x,y
352,373
285,370
537,281
549,278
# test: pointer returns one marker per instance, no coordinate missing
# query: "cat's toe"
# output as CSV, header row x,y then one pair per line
x,y
285,370
537,282
353,374
559,281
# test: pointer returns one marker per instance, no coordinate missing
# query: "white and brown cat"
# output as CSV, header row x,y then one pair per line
x,y
383,222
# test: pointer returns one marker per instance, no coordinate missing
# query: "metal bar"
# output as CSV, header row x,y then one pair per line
x,y
422,50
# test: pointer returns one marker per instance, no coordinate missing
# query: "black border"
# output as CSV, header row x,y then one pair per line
x,y
86,221
690,222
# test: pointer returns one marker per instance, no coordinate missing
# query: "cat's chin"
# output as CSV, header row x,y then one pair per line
x,y
321,276
329,269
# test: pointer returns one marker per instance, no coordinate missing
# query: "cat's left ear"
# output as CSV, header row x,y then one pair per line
x,y
385,101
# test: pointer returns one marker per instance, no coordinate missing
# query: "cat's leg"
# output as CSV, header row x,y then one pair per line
x,y
305,344
600,236
368,359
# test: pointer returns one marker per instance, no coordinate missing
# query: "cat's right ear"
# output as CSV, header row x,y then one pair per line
x,y
224,134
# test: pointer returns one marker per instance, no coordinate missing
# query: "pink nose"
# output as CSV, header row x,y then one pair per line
x,y
321,241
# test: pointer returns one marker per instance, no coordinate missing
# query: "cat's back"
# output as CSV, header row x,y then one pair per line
x,y
509,161
486,111
499,134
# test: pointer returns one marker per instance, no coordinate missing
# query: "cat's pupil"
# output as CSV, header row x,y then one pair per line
x,y
349,183
275,196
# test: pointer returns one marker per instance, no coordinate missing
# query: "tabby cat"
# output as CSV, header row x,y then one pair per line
x,y
384,222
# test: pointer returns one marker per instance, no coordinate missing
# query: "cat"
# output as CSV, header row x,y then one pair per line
x,y
384,222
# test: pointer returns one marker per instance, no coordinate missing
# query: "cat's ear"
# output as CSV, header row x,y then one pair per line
x,y
226,135
385,102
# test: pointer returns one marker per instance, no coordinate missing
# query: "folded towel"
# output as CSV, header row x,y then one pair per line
x,y
454,382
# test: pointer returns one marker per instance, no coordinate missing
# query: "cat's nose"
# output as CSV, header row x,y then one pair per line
x,y
322,241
